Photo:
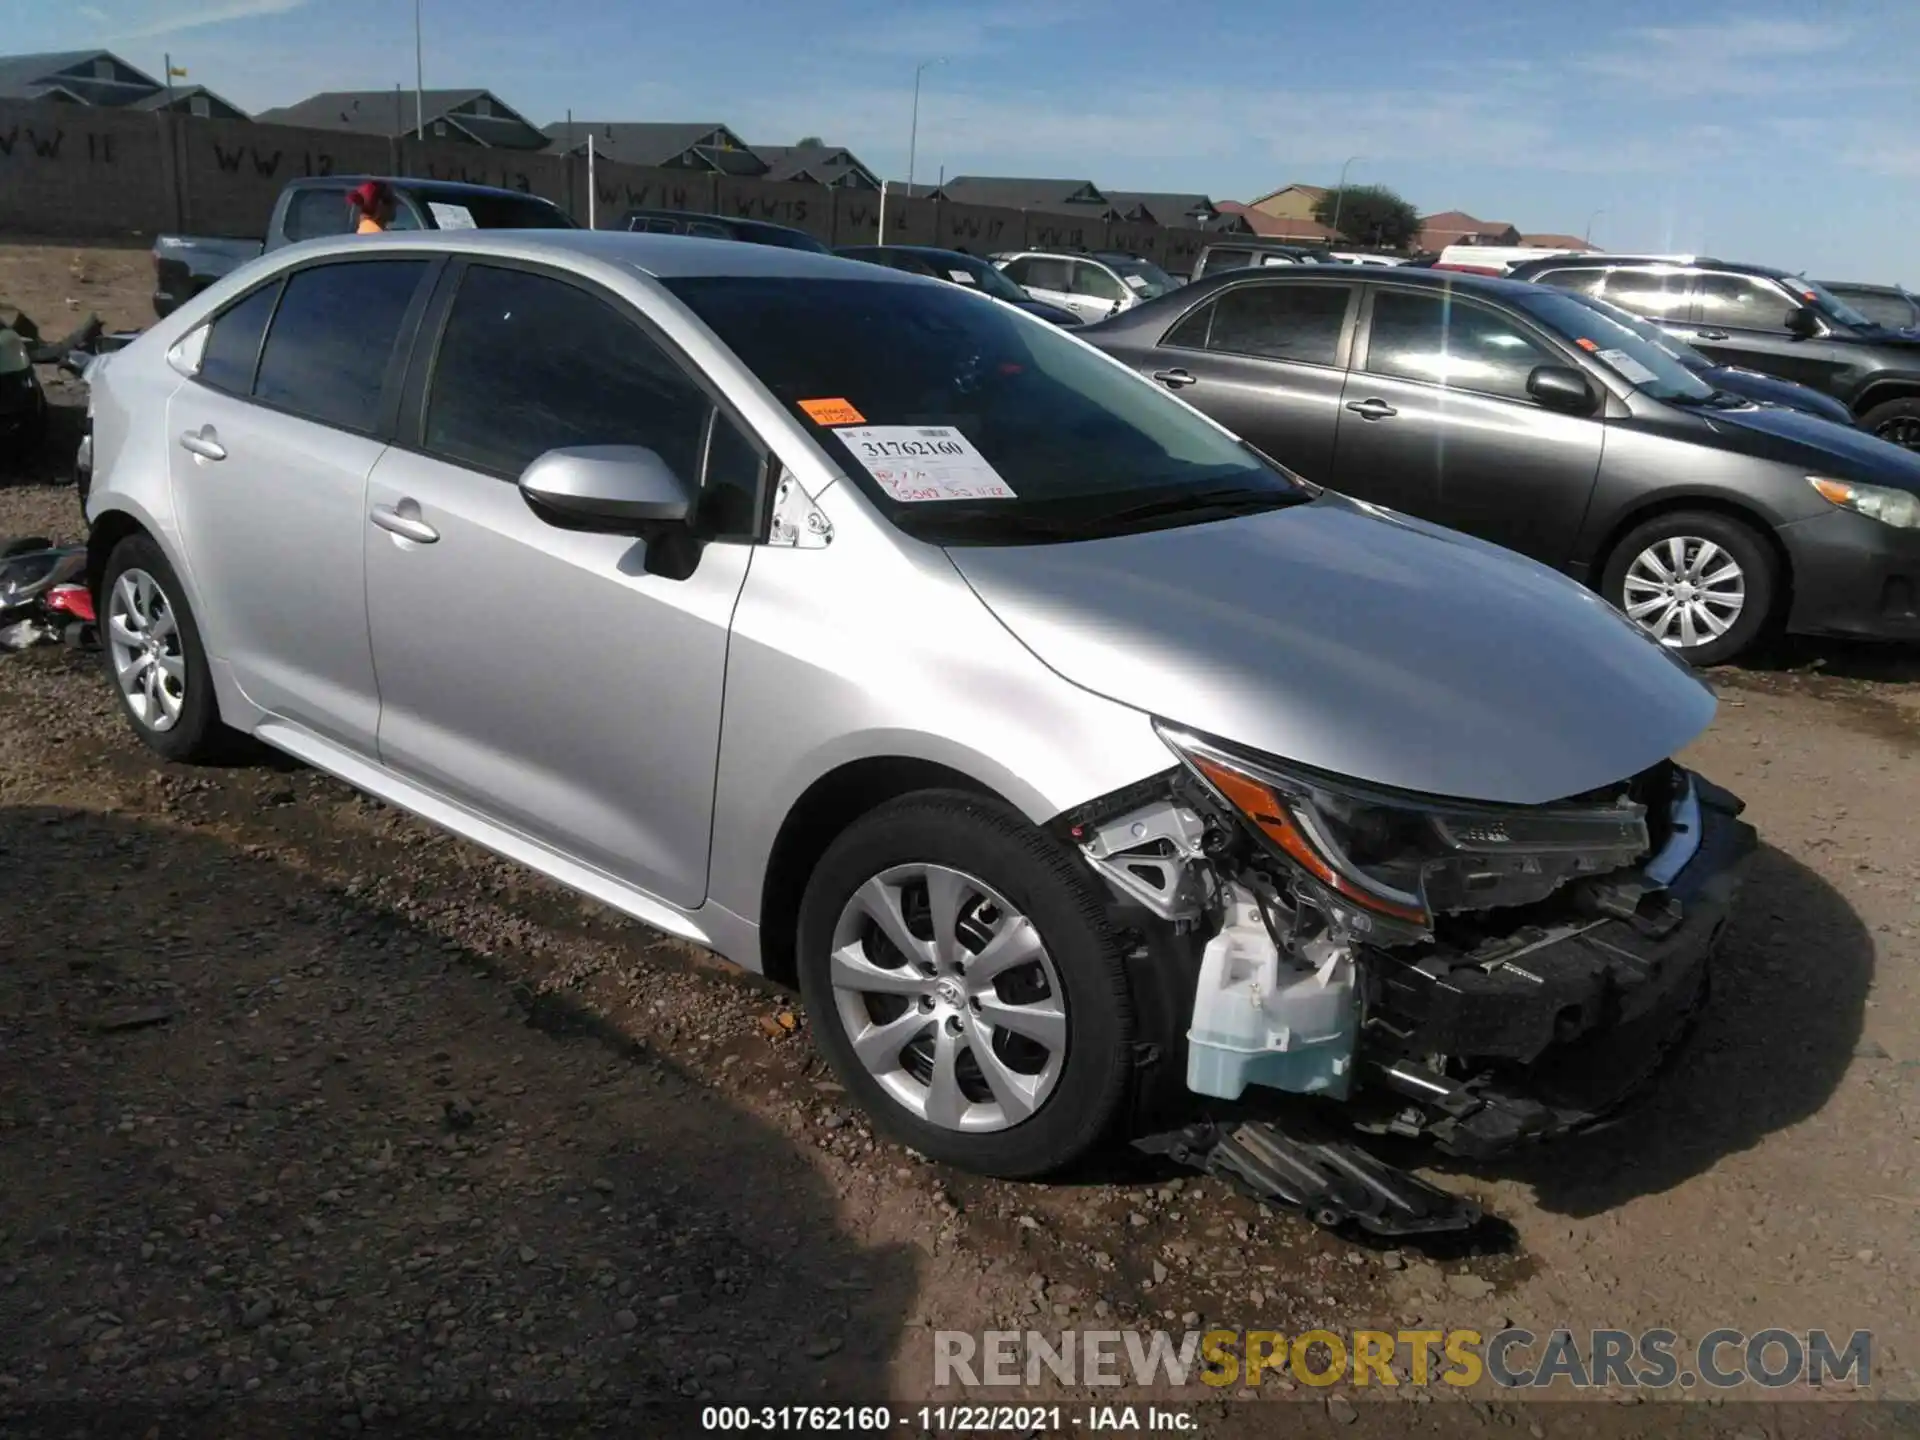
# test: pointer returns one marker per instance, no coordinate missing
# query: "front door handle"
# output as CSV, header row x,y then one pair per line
x,y
407,527
1711,335
1371,409
203,442
1175,378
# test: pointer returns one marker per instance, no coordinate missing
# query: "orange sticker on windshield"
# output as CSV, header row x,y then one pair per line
x,y
1586,345
832,412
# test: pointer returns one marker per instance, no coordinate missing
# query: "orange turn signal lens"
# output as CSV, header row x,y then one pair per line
x,y
1267,810
1834,490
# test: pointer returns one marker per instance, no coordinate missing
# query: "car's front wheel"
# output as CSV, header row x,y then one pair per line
x,y
961,979
1897,421
153,652
1701,584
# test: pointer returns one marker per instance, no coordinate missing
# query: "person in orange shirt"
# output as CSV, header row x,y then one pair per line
x,y
372,207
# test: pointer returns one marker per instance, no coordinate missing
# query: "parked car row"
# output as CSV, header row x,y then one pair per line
x,y
1535,418
1083,763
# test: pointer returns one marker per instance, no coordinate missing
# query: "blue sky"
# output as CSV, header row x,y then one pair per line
x,y
1789,135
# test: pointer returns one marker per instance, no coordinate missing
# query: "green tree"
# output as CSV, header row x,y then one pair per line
x,y
812,142
1368,215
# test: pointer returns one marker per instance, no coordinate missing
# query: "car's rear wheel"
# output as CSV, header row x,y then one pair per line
x,y
1701,584
960,978
154,655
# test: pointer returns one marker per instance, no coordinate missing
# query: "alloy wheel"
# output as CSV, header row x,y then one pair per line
x,y
1903,430
1684,591
149,656
949,998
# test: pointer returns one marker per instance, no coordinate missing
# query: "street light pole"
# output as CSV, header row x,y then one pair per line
x,y
913,132
1587,237
1340,195
419,80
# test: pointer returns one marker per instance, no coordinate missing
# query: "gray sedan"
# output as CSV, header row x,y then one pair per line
x,y
1079,764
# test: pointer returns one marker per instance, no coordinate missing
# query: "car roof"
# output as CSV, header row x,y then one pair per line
x,y
449,188
1591,261
665,257
1394,276
1866,287
928,250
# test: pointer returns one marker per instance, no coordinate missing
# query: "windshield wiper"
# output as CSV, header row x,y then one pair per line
x,y
1235,499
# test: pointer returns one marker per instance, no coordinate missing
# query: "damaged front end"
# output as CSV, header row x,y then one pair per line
x,y
1478,976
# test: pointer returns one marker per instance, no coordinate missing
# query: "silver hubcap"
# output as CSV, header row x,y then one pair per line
x,y
949,998
144,641
1685,591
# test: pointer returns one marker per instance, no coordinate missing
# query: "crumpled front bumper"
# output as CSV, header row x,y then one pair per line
x,y
1562,1032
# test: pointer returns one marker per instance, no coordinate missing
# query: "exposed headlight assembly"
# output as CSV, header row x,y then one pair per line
x,y
1402,859
1898,508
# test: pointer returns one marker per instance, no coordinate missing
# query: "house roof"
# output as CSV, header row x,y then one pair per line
x,y
1162,207
1012,192
34,77
1557,242
1459,221
1274,226
1312,192
182,94
391,114
823,164
648,142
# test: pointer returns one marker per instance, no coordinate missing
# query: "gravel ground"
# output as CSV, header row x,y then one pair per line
x,y
303,1100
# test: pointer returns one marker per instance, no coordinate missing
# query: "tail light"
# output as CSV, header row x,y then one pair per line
x,y
74,600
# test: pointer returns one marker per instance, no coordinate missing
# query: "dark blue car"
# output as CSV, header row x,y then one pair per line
x,y
958,268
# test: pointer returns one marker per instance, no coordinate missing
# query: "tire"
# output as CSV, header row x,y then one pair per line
x,y
1897,421
1048,1090
178,718
1707,543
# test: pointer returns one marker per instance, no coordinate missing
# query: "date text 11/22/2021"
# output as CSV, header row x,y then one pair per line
x,y
945,1419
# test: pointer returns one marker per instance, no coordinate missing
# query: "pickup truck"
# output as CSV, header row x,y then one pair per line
x,y
184,265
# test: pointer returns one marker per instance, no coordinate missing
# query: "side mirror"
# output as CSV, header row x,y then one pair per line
x,y
1803,323
617,488
1562,388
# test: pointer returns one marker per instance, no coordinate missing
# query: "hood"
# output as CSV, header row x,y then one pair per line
x,y
1058,314
1358,642
1771,390
1822,447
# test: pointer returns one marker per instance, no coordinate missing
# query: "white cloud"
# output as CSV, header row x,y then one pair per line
x,y
148,21
926,31
1746,58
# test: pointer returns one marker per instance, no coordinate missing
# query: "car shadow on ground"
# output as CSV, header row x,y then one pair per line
x,y
1780,1029
1883,662
266,1140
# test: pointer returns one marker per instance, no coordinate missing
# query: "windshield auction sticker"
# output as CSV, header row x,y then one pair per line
x,y
916,463
1630,368
832,412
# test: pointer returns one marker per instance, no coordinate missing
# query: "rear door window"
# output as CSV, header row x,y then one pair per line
x,y
1281,322
1656,294
1044,272
1583,278
1227,260
1443,340
312,214
333,338
233,344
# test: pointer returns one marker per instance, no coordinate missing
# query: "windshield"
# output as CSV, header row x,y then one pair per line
x,y
1645,329
1143,277
1651,369
986,278
1830,304
976,424
466,210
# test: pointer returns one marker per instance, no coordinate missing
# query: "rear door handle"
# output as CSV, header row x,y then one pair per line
x,y
407,527
1175,378
203,442
1711,335
1371,409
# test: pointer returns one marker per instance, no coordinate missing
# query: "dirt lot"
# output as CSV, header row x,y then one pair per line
x,y
305,1101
